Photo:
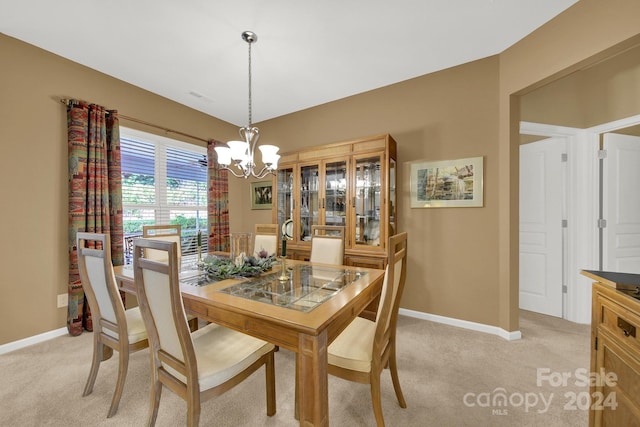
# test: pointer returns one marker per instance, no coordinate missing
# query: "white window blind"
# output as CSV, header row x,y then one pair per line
x,y
164,181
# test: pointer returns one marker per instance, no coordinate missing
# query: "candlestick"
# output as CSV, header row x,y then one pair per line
x,y
199,262
283,269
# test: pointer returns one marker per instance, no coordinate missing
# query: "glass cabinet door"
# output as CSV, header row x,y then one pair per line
x,y
392,198
335,193
309,200
285,197
367,201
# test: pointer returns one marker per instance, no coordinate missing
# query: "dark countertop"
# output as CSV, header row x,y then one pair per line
x,y
629,281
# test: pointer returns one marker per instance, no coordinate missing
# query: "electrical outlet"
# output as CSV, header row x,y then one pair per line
x,y
63,300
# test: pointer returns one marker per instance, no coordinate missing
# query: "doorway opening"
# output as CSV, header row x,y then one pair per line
x,y
594,194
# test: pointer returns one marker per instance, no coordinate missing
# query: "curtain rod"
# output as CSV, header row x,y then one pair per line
x,y
66,102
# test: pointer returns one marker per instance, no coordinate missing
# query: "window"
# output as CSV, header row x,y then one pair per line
x,y
164,181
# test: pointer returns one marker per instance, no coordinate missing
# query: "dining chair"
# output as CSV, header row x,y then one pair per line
x,y
199,365
327,244
265,241
167,232
364,348
114,328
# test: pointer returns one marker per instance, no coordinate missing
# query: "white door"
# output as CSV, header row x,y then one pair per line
x,y
621,203
542,183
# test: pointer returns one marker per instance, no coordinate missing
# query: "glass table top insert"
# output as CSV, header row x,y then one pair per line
x,y
307,287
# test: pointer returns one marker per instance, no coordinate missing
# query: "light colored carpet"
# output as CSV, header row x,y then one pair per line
x,y
449,376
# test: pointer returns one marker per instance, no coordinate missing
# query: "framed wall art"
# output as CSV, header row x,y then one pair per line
x,y
447,183
261,192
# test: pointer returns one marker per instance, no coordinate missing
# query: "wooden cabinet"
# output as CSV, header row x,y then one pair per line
x,y
350,184
615,350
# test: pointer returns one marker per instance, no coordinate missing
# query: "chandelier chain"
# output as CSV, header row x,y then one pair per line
x,y
250,115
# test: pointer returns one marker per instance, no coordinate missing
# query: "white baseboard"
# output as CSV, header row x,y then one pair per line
x,y
26,342
480,327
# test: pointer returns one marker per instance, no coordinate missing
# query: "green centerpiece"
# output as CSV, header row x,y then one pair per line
x,y
220,268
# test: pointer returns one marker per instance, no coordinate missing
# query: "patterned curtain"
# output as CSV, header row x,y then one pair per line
x,y
218,202
95,194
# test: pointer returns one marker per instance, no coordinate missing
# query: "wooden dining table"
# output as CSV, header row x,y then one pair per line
x,y
303,313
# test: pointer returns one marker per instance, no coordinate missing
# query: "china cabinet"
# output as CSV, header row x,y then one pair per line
x,y
350,184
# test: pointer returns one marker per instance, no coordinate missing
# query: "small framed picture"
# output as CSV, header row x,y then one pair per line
x,y
447,183
261,195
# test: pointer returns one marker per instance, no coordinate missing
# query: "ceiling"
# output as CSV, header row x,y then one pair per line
x,y
308,52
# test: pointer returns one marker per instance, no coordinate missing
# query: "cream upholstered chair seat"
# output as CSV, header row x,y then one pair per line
x,y
352,349
198,365
114,328
327,244
135,326
218,350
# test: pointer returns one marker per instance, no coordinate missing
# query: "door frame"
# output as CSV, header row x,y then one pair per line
x,y
583,207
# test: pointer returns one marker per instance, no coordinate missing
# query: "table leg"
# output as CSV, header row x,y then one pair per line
x,y
312,380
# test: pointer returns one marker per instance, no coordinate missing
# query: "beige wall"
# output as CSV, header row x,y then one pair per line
x,y
33,169
602,93
463,263
588,32
452,264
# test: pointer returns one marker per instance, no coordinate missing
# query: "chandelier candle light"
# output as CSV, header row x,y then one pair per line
x,y
241,153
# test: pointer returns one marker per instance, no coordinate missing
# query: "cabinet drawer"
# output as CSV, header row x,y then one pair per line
x,y
366,262
324,152
300,255
620,322
375,144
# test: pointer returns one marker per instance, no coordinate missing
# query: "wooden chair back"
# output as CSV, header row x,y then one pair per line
x,y
392,289
166,232
114,328
158,292
162,230
265,240
327,244
101,290
268,229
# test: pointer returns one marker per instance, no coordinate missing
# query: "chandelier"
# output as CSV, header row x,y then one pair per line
x,y
240,154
